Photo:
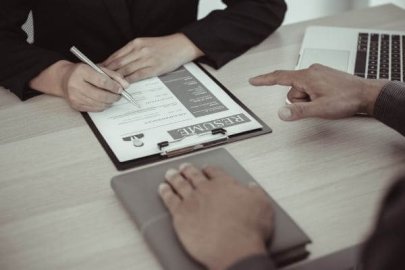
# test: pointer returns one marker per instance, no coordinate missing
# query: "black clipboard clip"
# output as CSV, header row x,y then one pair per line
x,y
198,141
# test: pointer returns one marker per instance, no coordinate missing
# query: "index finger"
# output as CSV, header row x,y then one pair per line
x,y
117,77
104,82
278,77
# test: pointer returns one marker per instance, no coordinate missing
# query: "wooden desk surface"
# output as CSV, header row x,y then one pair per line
x,y
57,210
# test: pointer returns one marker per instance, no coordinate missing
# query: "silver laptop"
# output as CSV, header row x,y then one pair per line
x,y
367,53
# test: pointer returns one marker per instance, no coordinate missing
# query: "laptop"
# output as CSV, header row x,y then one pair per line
x,y
367,53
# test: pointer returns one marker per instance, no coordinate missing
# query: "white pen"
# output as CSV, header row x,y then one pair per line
x,y
87,61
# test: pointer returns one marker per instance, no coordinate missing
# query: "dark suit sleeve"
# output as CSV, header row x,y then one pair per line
x,y
260,262
20,61
226,34
390,106
385,249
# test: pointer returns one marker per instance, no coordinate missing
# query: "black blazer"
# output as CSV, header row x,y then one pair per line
x,y
100,27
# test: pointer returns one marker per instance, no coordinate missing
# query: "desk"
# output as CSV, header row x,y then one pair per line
x,y
57,210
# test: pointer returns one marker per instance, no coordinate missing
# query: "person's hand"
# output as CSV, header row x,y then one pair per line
x,y
147,57
218,220
323,92
83,88
87,90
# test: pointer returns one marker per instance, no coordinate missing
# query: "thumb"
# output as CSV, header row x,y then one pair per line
x,y
300,110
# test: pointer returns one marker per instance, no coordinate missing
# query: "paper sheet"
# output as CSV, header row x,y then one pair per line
x,y
179,104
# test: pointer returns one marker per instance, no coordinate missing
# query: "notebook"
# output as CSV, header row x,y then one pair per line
x,y
367,53
137,190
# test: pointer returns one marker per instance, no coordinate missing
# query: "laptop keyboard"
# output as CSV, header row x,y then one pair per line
x,y
380,56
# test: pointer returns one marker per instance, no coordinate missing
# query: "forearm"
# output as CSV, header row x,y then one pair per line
x,y
20,61
225,34
389,107
385,247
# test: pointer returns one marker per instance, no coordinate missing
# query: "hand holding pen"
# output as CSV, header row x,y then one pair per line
x,y
107,75
80,85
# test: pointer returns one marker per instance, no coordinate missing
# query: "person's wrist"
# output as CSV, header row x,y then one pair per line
x,y
369,94
50,80
189,50
235,253
65,71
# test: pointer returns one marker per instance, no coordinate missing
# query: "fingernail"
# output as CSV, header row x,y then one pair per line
x,y
120,90
162,187
171,172
184,165
285,113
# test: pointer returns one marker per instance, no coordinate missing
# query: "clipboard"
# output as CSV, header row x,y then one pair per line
x,y
168,149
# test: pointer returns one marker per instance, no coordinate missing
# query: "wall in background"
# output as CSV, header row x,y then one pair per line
x,y
400,3
300,10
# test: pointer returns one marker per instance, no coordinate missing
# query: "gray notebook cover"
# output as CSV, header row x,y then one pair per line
x,y
138,191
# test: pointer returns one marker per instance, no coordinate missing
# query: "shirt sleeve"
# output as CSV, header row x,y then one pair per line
x,y
226,34
20,61
385,248
390,106
259,262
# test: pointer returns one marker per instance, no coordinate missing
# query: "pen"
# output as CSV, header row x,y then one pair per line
x,y
87,61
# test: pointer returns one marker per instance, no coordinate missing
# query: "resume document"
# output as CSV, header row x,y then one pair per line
x,y
183,104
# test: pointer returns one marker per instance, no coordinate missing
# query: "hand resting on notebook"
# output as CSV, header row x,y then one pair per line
x,y
221,222
218,220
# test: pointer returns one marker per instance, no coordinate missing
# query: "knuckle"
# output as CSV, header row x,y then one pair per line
x,y
131,79
192,173
214,168
116,75
178,181
209,168
80,67
117,63
144,73
126,70
137,42
141,73
187,170
101,81
315,67
146,51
